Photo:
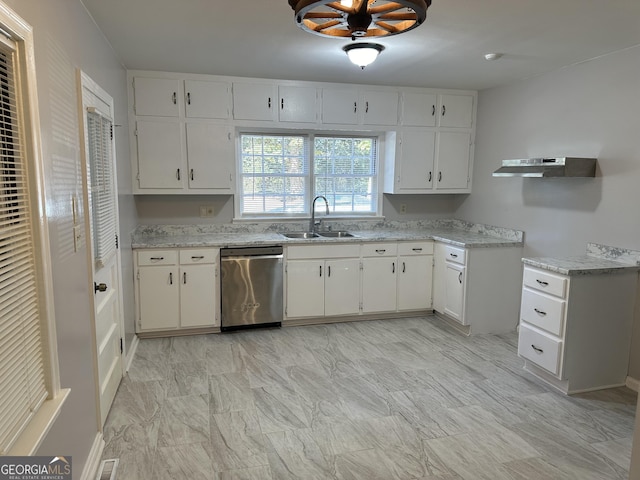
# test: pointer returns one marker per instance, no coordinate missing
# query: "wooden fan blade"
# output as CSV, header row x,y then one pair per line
x,y
388,27
389,7
338,6
324,26
396,17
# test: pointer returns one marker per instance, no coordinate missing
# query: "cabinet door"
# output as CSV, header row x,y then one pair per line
x,y
456,111
156,96
439,277
339,106
198,294
297,104
158,298
453,152
379,108
455,288
210,155
342,287
160,157
254,101
305,288
416,162
206,99
419,109
379,284
415,275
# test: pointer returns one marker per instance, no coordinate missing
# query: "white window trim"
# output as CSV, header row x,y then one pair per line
x,y
377,215
34,433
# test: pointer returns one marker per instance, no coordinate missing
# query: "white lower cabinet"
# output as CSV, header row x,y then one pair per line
x,y
322,281
478,288
379,281
176,289
575,330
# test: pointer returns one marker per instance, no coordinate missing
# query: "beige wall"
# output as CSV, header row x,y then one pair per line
x,y
590,109
66,39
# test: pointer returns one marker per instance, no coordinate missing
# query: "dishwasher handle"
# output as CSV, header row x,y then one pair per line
x,y
254,257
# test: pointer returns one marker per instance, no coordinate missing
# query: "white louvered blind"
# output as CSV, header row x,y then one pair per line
x,y
103,200
23,385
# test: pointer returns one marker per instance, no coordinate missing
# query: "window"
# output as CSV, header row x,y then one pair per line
x,y
281,174
30,395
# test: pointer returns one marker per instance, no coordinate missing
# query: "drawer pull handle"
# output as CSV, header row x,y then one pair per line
x,y
381,250
199,257
460,278
539,350
393,267
328,270
404,267
184,278
170,278
539,312
453,255
544,284
416,249
320,270
157,258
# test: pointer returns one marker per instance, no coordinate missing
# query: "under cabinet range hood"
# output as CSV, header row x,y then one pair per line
x,y
547,167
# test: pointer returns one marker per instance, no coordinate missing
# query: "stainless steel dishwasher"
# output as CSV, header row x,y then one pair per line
x,y
251,287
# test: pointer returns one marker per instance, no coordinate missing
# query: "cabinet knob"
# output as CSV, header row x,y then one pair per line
x,y
433,110
178,174
393,267
355,107
460,278
184,278
366,110
188,98
269,102
404,267
439,176
192,174
430,177
174,98
282,104
444,110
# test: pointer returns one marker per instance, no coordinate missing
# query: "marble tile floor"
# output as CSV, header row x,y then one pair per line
x,y
392,399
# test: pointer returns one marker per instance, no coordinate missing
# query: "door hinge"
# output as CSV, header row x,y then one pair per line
x,y
121,346
111,131
117,242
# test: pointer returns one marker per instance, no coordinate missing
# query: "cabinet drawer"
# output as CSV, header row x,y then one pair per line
x,y
539,348
545,282
198,255
455,254
543,311
157,257
379,249
415,248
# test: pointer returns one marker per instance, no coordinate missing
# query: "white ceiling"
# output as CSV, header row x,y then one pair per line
x,y
259,38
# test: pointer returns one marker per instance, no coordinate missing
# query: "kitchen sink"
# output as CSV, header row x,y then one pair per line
x,y
336,234
300,235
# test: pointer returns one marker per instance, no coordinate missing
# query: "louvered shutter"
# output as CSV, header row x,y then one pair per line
x,y
23,385
103,199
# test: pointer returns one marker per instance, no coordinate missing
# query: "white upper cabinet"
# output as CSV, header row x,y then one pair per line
x,y
254,101
157,96
419,109
210,156
297,104
378,107
160,155
456,111
454,161
340,106
205,99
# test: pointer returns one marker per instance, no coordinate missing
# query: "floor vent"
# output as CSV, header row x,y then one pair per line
x,y
107,470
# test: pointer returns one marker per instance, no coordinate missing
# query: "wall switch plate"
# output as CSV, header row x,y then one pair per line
x,y
206,210
403,208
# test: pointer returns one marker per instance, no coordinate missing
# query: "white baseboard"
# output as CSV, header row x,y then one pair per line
x,y
93,461
131,351
633,384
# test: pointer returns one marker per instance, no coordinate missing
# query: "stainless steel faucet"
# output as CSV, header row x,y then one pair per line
x,y
312,224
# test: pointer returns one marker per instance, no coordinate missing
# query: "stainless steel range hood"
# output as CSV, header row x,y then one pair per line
x,y
547,167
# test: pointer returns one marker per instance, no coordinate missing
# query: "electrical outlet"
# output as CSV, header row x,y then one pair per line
x,y
403,208
206,210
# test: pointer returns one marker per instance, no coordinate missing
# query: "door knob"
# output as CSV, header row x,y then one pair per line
x,y
99,287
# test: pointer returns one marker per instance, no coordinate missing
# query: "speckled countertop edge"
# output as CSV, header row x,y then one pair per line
x,y
580,265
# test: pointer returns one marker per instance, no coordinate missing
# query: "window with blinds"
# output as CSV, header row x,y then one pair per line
x,y
22,372
102,194
281,174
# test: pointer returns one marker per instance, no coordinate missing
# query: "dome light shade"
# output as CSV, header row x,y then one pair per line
x,y
363,54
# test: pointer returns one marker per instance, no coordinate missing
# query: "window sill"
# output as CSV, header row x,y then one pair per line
x,y
327,218
33,435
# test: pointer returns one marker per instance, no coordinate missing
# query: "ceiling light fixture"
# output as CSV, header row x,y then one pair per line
x,y
492,56
359,18
363,54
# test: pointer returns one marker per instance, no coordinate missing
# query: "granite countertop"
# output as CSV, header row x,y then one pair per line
x,y
469,236
599,260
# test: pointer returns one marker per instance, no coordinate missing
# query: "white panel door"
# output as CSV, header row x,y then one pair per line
x,y
297,104
417,152
379,284
415,275
207,99
454,287
342,287
419,109
254,101
379,108
453,160
210,156
158,298
305,288
156,96
456,111
339,106
198,296
160,157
